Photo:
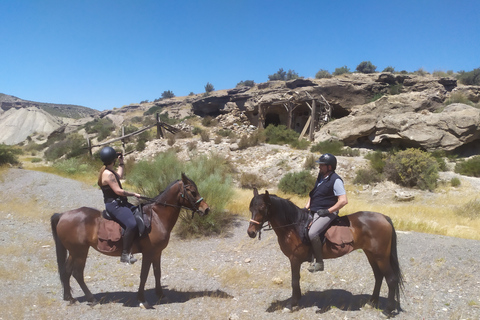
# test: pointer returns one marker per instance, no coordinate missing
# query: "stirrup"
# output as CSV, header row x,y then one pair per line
x,y
317,266
128,258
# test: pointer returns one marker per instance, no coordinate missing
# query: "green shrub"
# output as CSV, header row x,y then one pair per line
x,y
457,97
84,165
439,156
226,133
297,182
470,78
322,74
310,162
395,89
377,160
340,71
205,136
251,180
104,127
301,144
212,175
334,147
196,130
470,167
412,168
246,83
9,154
367,176
72,146
389,69
366,67
280,135
208,121
455,182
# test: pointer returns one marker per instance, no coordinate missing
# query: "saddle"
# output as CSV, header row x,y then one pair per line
x,y
110,232
337,237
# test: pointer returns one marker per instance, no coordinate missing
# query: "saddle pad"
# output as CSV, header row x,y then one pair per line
x,y
109,234
341,240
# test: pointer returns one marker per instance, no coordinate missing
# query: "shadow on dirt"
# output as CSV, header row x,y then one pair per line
x,y
129,299
325,300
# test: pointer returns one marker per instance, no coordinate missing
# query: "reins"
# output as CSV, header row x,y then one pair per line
x,y
165,204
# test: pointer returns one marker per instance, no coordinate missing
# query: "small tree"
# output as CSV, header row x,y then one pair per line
x,y
366,67
246,83
291,74
209,87
342,70
167,94
323,74
470,78
280,75
389,69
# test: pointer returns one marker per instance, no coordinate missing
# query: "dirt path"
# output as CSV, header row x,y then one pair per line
x,y
218,278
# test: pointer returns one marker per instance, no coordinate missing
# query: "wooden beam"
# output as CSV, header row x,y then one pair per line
x,y
312,123
305,128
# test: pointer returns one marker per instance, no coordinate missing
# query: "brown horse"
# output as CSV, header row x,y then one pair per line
x,y
76,231
373,232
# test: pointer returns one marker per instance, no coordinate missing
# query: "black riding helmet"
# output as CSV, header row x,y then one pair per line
x,y
108,155
328,159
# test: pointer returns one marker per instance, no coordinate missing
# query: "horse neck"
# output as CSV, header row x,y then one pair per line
x,y
167,206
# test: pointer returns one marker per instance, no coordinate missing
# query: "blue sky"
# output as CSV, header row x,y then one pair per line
x,y
104,54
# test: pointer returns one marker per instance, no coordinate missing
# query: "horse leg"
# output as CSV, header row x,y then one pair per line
x,y
78,268
65,275
392,282
157,271
146,262
378,281
296,291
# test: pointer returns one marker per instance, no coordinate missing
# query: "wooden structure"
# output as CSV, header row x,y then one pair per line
x,y
160,127
297,113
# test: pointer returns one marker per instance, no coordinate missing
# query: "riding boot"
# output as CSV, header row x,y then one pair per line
x,y
317,246
128,238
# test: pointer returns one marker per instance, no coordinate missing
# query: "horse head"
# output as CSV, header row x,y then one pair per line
x,y
259,207
191,198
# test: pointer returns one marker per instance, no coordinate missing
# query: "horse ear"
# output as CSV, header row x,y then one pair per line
x,y
266,197
184,178
255,192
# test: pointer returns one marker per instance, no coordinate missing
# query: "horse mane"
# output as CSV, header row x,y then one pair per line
x,y
158,198
287,211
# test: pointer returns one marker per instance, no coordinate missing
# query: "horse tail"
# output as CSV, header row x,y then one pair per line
x,y
395,264
59,247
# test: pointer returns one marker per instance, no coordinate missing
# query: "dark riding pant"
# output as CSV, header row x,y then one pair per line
x,y
122,213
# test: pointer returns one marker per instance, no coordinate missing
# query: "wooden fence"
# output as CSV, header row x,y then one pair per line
x,y
159,124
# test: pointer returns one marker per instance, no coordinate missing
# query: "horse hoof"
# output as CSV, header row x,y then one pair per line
x,y
287,310
145,305
92,303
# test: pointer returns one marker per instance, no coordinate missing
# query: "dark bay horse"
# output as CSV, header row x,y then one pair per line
x,y
372,232
75,232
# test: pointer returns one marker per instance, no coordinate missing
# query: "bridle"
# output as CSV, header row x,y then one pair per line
x,y
269,226
194,204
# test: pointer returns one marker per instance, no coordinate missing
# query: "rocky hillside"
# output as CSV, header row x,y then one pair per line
x,y
362,110
21,118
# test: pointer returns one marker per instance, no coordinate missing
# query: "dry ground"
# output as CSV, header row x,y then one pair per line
x,y
232,277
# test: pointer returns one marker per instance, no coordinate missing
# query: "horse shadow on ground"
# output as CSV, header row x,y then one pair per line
x,y
129,299
325,300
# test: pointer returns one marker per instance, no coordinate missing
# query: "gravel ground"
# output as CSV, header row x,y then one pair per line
x,y
234,277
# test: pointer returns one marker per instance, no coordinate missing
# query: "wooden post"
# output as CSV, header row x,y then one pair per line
x,y
261,117
313,121
89,146
159,127
123,140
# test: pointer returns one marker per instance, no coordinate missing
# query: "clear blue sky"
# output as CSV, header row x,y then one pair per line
x,y
104,54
